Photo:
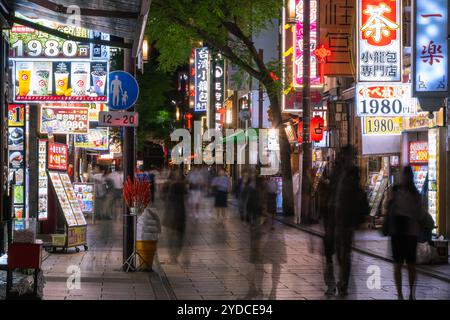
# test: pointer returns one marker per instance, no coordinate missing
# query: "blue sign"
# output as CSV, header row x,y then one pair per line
x,y
124,90
430,76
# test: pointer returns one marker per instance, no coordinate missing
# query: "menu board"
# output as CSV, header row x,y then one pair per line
x,y
63,199
42,181
85,195
76,208
64,120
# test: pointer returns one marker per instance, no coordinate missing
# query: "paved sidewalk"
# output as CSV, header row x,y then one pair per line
x,y
373,243
215,264
100,271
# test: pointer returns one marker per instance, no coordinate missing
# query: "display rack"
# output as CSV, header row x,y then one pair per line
x,y
75,229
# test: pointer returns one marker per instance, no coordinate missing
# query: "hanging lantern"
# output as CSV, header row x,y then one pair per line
x,y
300,132
317,128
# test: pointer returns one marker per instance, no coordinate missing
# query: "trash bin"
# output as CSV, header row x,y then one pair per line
x,y
148,230
442,250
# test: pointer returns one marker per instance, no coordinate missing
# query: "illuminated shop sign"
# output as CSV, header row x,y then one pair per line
x,y
96,139
382,125
430,48
202,78
219,88
384,100
64,120
58,158
379,40
418,152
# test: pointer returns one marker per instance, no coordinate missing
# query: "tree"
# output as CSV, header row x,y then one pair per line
x,y
226,26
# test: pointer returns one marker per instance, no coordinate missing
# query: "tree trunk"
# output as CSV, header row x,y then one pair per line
x,y
285,152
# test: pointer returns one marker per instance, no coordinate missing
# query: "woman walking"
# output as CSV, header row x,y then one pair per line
x,y
404,216
221,185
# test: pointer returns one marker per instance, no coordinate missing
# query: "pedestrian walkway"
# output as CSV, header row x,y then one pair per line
x,y
215,265
372,242
99,268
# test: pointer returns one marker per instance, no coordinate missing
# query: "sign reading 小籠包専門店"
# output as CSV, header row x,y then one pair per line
x,y
379,40
202,79
53,69
430,48
64,120
384,100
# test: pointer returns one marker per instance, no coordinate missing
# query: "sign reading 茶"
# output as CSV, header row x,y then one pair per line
x,y
58,158
430,48
384,100
64,120
379,40
202,78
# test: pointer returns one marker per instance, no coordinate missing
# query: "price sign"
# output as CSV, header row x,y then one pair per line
x,y
382,125
418,152
64,120
118,119
381,100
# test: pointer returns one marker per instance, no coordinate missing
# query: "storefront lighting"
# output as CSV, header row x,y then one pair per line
x,y
291,11
145,50
229,117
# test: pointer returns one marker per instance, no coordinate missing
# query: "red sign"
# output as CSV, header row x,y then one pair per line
x,y
418,152
317,128
58,156
379,22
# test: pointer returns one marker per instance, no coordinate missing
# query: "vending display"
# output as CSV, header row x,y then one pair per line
x,y
85,196
63,199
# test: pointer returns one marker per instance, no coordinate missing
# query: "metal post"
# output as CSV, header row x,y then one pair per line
x,y
307,150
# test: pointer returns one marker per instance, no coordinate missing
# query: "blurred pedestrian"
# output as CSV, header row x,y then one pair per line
x,y
221,186
114,181
403,223
98,178
350,210
196,186
174,219
271,194
243,196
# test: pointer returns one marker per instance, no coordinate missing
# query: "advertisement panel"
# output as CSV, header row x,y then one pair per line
x,y
418,152
379,40
64,120
382,126
58,156
384,100
42,180
96,139
219,88
16,115
202,79
430,48
298,44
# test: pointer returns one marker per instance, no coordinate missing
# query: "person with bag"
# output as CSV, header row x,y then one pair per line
x,y
404,222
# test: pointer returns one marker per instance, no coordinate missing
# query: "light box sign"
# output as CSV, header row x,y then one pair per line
x,y
379,40
16,115
298,44
42,181
96,139
202,78
418,152
430,48
382,125
58,156
384,100
64,120
219,88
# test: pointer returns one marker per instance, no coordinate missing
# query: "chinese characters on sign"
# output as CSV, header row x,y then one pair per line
x,y
219,89
57,156
298,44
430,48
418,152
64,120
201,79
384,100
379,40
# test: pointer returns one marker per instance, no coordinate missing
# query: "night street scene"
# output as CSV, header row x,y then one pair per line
x,y
241,151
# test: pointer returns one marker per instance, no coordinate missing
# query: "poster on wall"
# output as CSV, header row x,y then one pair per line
x,y
384,100
96,139
16,115
379,40
64,120
430,48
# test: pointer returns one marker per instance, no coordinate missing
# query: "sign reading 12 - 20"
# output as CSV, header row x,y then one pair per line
x,y
384,100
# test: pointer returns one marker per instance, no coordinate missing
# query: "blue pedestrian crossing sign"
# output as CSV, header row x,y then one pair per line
x,y
123,90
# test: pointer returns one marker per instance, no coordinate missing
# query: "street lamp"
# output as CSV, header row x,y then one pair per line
x,y
145,50
291,11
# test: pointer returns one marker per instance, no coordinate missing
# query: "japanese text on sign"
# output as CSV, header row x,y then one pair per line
x,y
201,79
379,40
430,48
418,152
382,125
57,156
219,88
64,120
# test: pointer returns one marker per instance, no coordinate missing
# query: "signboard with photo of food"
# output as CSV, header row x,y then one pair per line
x,y
62,199
64,120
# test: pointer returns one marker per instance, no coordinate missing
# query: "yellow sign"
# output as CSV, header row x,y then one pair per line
x,y
382,125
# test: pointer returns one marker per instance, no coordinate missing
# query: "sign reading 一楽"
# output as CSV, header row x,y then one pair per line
x,y
379,40
298,44
384,100
430,48
202,77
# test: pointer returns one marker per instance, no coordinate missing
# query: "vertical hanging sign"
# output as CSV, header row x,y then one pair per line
x,y
298,44
219,89
430,48
379,41
201,79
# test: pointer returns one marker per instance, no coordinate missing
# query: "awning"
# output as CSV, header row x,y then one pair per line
x,y
120,18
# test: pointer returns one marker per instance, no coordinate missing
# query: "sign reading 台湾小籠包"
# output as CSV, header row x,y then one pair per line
x,y
298,44
430,49
202,78
118,119
379,40
384,100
